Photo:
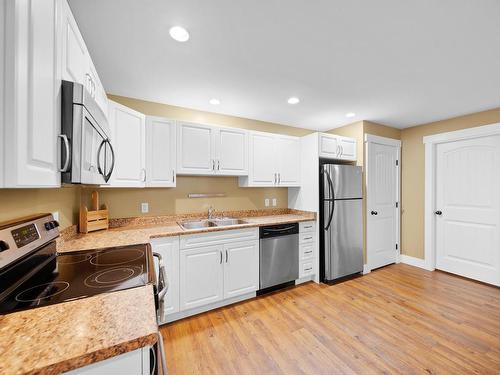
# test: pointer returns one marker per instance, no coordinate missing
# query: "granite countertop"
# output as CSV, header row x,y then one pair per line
x,y
138,230
65,336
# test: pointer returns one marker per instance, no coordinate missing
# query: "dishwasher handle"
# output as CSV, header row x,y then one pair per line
x,y
279,230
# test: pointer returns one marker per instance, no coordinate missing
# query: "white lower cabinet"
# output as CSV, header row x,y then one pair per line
x,y
307,249
201,276
241,268
215,268
135,362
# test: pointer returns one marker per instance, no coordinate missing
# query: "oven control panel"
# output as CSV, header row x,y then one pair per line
x,y
19,238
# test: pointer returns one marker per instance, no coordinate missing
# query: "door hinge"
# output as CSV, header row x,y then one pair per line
x,y
397,204
397,162
396,246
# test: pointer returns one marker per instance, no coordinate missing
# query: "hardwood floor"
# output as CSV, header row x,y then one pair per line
x,y
398,320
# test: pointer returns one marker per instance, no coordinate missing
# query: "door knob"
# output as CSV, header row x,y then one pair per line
x,y
374,213
438,213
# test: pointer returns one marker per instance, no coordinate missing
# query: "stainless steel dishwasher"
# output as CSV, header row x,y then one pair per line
x,y
279,254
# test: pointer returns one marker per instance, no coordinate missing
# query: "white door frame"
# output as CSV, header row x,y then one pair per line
x,y
431,143
371,139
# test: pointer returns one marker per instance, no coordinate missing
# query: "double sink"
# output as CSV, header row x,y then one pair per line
x,y
209,223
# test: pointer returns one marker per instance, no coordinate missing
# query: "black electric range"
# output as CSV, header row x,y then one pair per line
x,y
33,274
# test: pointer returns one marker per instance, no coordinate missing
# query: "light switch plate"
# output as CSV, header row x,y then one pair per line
x,y
266,202
274,202
55,215
145,208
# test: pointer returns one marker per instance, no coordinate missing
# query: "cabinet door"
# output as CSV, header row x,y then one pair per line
x,y
32,94
263,160
195,149
168,248
328,146
160,152
289,161
74,53
348,149
201,276
232,152
128,139
241,268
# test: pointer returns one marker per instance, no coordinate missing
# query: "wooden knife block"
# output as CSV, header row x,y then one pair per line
x,y
97,218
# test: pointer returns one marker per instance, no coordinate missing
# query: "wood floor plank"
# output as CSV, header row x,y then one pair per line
x,y
396,320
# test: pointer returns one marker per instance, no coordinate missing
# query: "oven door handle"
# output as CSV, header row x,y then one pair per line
x,y
162,360
162,283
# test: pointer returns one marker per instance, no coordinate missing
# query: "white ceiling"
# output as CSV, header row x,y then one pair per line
x,y
397,62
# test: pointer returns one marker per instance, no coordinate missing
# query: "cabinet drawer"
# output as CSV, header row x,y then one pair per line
x,y
306,237
306,251
307,226
306,268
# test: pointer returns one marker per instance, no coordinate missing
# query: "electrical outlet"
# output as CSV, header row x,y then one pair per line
x,y
145,208
55,215
275,201
266,202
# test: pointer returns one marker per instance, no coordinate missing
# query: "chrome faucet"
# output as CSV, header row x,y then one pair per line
x,y
211,212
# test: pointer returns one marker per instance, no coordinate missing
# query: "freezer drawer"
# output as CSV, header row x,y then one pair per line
x,y
279,260
343,250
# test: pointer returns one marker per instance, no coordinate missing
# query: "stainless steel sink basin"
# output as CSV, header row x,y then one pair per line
x,y
228,221
221,222
198,224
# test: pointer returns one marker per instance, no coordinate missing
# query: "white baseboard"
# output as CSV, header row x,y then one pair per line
x,y
416,262
366,269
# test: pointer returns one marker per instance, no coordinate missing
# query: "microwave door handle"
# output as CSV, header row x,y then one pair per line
x,y
162,277
68,156
113,157
99,169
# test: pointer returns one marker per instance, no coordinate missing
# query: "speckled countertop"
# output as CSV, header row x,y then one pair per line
x,y
137,230
65,336
61,337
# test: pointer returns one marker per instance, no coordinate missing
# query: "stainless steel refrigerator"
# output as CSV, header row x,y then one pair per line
x,y
341,217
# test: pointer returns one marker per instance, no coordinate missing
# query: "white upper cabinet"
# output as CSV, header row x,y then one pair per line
x,y
195,149
211,150
336,147
128,139
231,147
274,160
161,152
32,88
77,65
289,160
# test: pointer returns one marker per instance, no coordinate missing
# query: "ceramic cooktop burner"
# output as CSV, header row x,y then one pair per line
x,y
117,257
112,276
42,291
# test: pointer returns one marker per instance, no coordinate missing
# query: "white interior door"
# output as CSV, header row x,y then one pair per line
x,y
382,183
467,208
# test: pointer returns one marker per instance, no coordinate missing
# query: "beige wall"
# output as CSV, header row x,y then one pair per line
x,y
413,174
21,202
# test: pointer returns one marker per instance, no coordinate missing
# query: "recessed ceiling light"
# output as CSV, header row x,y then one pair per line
x,y
179,33
350,114
214,101
293,100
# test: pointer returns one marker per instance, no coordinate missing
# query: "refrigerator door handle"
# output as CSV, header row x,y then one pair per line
x,y
330,186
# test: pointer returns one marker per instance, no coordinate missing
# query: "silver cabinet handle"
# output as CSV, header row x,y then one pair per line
x,y
218,165
308,269
275,178
213,164
279,178
143,172
227,256
310,226
68,156
341,150
308,238
308,252
173,175
220,252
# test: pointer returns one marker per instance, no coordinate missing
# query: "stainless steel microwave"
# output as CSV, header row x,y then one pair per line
x,y
87,156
